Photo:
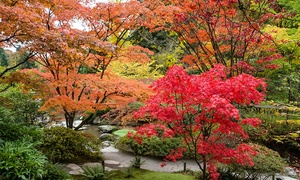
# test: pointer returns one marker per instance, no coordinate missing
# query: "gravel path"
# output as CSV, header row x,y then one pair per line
x,y
154,164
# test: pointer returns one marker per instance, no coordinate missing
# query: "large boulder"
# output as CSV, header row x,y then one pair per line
x,y
107,128
107,137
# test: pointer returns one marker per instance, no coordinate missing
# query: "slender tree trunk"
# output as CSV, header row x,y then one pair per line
x,y
204,175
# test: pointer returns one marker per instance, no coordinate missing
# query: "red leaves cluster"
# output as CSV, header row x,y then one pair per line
x,y
201,109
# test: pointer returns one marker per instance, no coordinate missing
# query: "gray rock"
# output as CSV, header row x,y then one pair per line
x,y
109,169
111,162
97,120
107,143
106,137
109,149
92,164
107,128
282,177
74,169
290,172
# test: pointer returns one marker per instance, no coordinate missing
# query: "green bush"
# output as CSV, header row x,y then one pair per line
x,y
13,132
66,145
55,171
20,160
17,106
154,145
266,161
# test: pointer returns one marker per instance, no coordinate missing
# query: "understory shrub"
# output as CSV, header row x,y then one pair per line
x,y
154,146
21,160
266,161
19,106
14,131
66,145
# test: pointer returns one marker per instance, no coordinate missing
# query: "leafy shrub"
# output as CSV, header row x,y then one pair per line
x,y
266,161
18,106
13,132
20,160
94,173
55,171
154,145
66,145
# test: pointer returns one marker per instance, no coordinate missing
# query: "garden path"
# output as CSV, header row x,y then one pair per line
x,y
113,155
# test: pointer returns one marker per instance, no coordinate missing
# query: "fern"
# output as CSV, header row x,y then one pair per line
x,y
94,173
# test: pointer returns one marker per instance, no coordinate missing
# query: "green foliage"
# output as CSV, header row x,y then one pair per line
x,y
13,132
64,144
164,44
291,140
150,146
55,171
280,135
137,162
284,82
94,173
270,126
136,105
134,70
139,174
3,58
128,171
20,160
17,106
292,9
266,161
155,41
164,60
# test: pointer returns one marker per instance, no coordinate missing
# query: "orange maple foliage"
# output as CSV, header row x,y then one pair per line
x,y
73,62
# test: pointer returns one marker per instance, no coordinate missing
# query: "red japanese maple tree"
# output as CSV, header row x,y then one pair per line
x,y
202,110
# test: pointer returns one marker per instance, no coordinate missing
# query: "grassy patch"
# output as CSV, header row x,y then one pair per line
x,y
150,175
122,132
138,174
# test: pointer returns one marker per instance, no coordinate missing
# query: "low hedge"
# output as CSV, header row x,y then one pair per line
x,y
153,145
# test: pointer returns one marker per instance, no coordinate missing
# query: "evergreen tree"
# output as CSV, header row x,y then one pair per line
x,y
3,58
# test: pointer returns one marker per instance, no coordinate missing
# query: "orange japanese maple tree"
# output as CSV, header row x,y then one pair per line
x,y
202,110
75,63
